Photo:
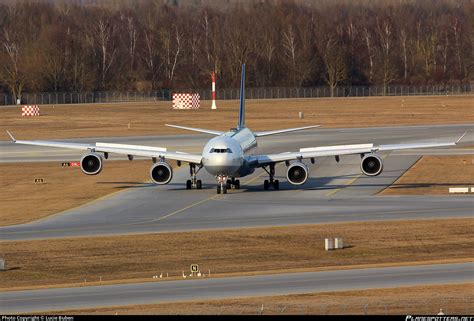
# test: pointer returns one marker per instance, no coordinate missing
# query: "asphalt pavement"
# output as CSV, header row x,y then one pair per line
x,y
153,292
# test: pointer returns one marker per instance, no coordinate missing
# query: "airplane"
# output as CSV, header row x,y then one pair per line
x,y
228,155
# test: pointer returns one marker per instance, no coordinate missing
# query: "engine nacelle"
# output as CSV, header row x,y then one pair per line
x,y
91,163
161,173
371,165
297,173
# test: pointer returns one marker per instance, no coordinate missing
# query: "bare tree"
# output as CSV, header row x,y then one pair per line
x,y
15,78
332,52
100,39
298,49
289,44
371,51
456,28
334,62
171,39
385,30
120,45
403,36
151,56
132,40
352,34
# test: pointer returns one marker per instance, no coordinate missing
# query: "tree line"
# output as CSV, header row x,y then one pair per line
x,y
150,45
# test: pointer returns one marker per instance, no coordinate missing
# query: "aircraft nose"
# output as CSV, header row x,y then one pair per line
x,y
221,164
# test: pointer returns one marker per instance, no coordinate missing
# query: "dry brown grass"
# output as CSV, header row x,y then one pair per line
x,y
21,200
435,175
452,298
148,118
136,258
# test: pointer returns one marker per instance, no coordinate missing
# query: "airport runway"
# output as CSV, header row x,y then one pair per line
x,y
333,193
221,288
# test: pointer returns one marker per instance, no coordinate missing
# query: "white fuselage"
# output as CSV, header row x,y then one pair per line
x,y
224,155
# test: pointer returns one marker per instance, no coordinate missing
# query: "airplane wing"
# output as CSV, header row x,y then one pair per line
x,y
125,149
280,131
339,150
200,130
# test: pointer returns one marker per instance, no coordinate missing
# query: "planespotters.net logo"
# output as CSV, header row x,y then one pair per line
x,y
438,318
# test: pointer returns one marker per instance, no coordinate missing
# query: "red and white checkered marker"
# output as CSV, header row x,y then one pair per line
x,y
186,101
32,110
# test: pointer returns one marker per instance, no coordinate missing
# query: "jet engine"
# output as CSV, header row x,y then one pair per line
x,y
161,173
91,164
371,165
297,173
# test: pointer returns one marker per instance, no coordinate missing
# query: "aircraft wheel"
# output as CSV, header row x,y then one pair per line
x,y
218,189
188,184
224,190
228,184
266,184
276,184
199,184
237,184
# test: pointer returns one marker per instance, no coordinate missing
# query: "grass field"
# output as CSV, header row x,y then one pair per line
x,y
137,258
435,175
68,121
21,200
416,300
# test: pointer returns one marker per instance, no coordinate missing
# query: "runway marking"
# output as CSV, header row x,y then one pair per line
x,y
350,182
194,204
126,224
181,210
133,223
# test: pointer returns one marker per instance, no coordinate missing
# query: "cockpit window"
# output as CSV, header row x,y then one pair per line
x,y
220,150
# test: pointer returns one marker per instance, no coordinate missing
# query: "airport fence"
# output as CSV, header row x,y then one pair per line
x,y
447,304
52,98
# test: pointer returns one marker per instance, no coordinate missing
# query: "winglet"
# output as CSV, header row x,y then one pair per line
x,y
11,136
462,136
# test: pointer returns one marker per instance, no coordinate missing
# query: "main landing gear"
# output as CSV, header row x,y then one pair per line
x,y
271,182
224,183
193,182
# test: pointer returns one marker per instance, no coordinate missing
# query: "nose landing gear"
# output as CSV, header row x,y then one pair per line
x,y
224,183
193,182
221,184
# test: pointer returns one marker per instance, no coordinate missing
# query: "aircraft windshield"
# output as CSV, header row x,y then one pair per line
x,y
220,150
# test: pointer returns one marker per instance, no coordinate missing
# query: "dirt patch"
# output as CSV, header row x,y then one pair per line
x,y
133,119
137,258
22,200
424,300
435,175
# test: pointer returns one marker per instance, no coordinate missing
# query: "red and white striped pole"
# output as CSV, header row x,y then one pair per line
x,y
213,76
